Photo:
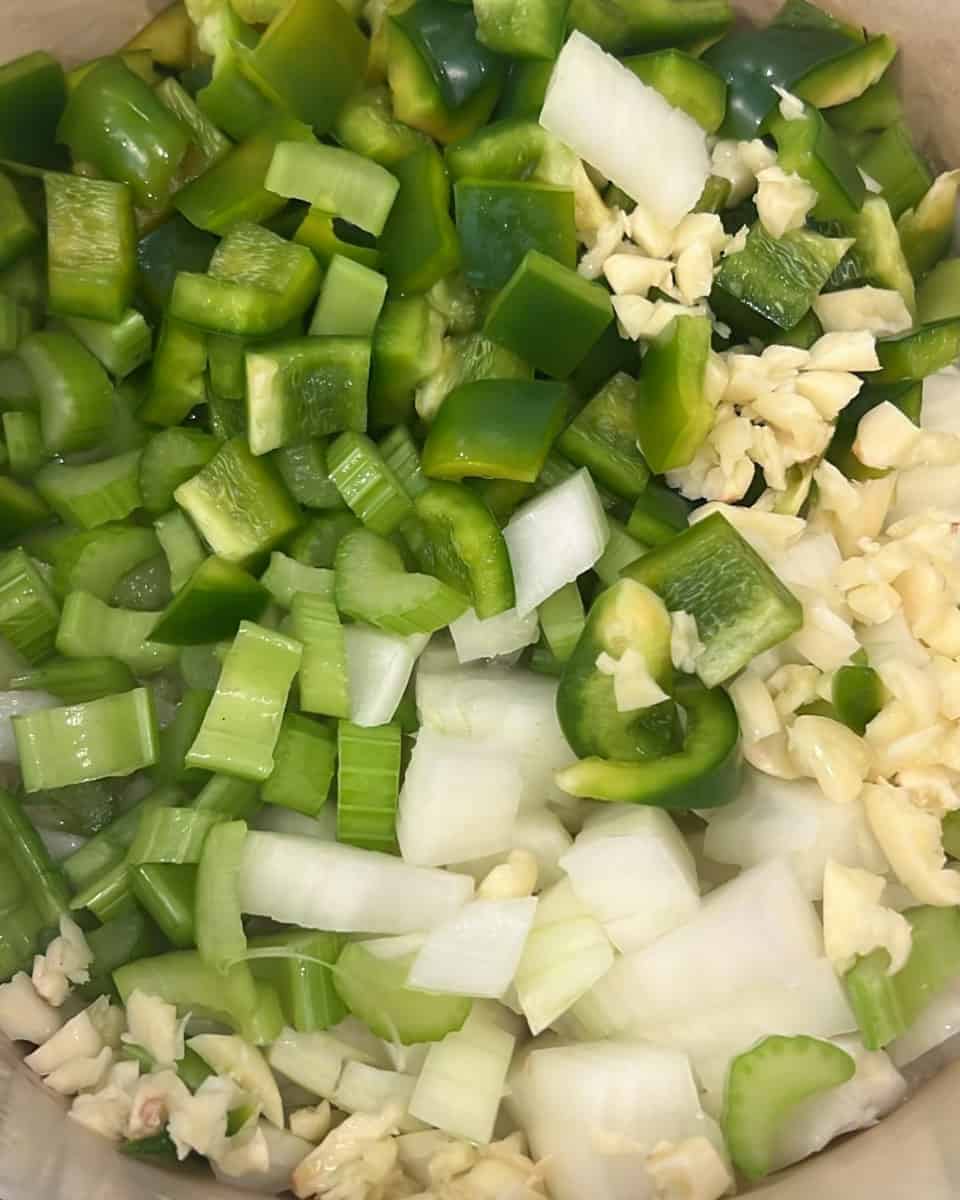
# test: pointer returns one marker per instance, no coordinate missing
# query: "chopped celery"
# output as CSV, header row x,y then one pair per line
x,y
367,484
115,735
285,577
219,925
242,724
368,786
91,629
305,756
370,980
323,668
29,614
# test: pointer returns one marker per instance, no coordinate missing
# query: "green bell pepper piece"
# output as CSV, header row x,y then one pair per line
x,y
685,82
674,414
548,315
257,283
170,458
877,256
313,56
18,230
938,297
236,100
604,437
658,515
775,279
444,81
366,125
458,539
704,773
177,374
801,14
740,606
169,39
114,121
33,94
334,180
534,30
918,353
625,617
499,221
514,148
876,109
524,90
407,346
210,605
495,428
753,61
840,80
465,360
20,509
810,148
91,265
419,243
894,162
633,25
306,388
233,190
174,246
608,355
927,230
208,143
858,695
315,544
238,504
326,236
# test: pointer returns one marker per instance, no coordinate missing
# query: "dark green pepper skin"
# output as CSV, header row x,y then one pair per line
x,y
625,617
704,773
755,60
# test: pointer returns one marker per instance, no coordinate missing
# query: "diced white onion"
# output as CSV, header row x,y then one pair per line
x,y
379,666
459,800
477,951
566,953
495,636
619,125
315,1061
776,818
368,1089
635,874
554,538
306,882
461,1083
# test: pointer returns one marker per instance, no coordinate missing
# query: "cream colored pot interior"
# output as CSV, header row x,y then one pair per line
x,y
915,1153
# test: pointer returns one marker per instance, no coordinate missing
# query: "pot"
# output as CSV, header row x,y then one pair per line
x,y
914,1154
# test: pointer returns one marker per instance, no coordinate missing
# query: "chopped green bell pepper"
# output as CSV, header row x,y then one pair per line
x,y
524,90
633,25
919,352
548,315
495,428
444,81
776,279
91,265
233,189
464,360
458,539
809,147
18,230
419,244
313,56
75,392
533,30
704,773
894,162
210,605
407,345
116,122
938,297
624,618
877,108
658,515
740,606
673,412
926,231
685,82
499,221
307,388
604,436
33,93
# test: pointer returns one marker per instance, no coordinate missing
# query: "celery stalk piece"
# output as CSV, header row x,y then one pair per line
x,y
334,180
219,925
240,730
305,758
113,736
285,577
91,629
29,614
323,669
368,786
